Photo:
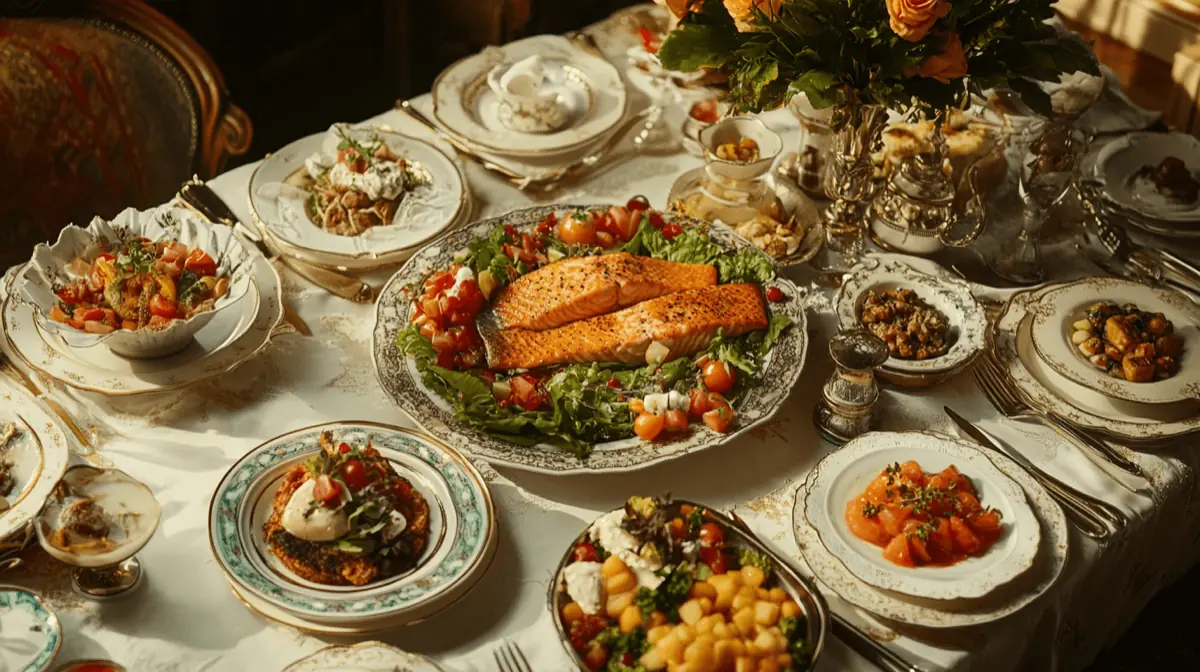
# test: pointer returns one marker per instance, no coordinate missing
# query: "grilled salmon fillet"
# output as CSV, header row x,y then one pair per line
x,y
685,322
582,287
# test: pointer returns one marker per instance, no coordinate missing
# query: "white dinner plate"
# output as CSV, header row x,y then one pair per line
x,y
467,107
363,657
229,339
1119,166
31,629
38,453
423,213
1134,424
1062,305
461,542
1002,602
841,476
964,316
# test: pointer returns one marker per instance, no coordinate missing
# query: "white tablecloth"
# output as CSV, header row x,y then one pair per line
x,y
186,618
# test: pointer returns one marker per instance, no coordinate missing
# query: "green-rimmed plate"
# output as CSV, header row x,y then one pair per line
x,y
30,634
462,530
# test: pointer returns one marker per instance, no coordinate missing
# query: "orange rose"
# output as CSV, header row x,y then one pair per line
x,y
948,65
742,11
680,8
912,19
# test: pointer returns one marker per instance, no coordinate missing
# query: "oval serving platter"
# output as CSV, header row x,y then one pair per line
x,y
462,531
400,379
841,476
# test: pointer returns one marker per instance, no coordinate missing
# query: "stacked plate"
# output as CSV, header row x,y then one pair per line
x,y
461,534
1127,168
965,320
1036,342
280,200
1024,561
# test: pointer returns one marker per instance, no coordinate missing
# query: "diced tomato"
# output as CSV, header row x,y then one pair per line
x,y
525,393
327,491
547,225
442,340
774,294
585,552
402,490
511,232
163,307
719,563
200,263
90,314
899,552
670,231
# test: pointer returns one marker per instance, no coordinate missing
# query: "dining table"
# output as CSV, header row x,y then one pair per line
x,y
181,443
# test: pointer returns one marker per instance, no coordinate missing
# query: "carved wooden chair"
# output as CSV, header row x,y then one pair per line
x,y
104,105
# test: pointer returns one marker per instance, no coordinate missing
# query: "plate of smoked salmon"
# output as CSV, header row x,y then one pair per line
x,y
589,338
922,515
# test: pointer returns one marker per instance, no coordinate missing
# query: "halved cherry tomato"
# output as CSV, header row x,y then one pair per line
x,y
163,307
622,222
585,552
672,230
525,393
721,416
327,490
700,403
676,420
719,376
711,534
355,474
200,263
574,231
648,426
605,239
719,564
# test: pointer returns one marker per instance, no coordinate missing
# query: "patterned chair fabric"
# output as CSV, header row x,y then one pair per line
x,y
99,112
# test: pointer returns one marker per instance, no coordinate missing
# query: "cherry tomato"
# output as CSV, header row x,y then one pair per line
x,y
163,307
677,528
719,564
622,222
585,552
719,377
656,220
577,232
355,474
700,403
344,448
774,294
638,203
670,231
327,490
676,420
711,534
721,416
648,426
200,263
709,554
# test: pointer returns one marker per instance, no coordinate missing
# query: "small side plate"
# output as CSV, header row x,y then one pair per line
x,y
32,630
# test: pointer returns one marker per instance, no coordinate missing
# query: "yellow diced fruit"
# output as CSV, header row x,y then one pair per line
x,y
766,613
762,594
620,583
789,609
684,633
743,620
617,603
705,625
706,605
779,637
631,618
699,654
725,589
746,664
727,651
690,612
784,660
741,601
653,660
572,612
778,595
655,635
612,566
753,576
766,643
723,630
768,665
672,648
703,589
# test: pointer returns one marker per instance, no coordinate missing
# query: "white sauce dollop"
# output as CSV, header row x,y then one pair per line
x,y
323,524
317,164
585,585
382,179
619,542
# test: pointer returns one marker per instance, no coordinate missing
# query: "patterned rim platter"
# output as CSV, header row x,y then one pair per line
x,y
28,620
463,103
363,657
231,338
1061,306
1119,163
966,319
462,531
39,453
400,379
842,475
422,215
1137,424
1008,599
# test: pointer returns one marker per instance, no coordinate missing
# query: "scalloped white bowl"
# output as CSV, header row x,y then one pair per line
x,y
34,284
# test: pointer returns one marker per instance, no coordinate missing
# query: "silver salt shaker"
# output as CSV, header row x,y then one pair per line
x,y
849,395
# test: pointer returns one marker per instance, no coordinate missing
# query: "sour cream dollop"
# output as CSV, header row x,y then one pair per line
x,y
322,524
585,585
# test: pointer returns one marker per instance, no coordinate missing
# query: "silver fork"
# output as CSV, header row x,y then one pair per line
x,y
509,657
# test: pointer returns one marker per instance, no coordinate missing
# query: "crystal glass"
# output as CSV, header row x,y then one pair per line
x,y
809,166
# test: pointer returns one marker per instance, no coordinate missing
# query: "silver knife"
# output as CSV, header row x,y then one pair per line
x,y
200,196
1076,505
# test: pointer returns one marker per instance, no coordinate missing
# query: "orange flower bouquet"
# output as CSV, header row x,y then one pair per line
x,y
897,54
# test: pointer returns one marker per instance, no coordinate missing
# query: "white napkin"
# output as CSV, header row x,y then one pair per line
x,y
525,77
539,643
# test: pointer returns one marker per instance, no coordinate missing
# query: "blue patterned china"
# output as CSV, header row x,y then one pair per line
x,y
30,634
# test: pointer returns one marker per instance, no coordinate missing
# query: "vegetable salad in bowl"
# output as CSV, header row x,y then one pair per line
x,y
671,585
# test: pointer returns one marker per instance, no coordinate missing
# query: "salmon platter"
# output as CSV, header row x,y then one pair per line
x,y
567,338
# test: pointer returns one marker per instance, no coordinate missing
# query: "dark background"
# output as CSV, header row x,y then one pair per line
x,y
296,67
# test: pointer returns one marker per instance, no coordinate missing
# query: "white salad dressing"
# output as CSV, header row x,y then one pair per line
x,y
382,179
619,542
464,274
585,585
322,524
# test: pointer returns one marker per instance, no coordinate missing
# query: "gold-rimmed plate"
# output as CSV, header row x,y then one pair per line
x,y
37,452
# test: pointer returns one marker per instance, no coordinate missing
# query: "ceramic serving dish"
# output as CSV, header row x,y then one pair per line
x,y
363,657
965,317
843,475
462,531
733,130
279,197
804,592
33,633
128,513
1120,166
36,281
1060,307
